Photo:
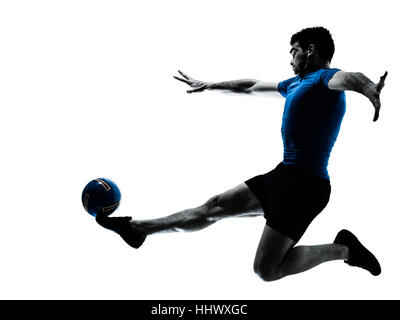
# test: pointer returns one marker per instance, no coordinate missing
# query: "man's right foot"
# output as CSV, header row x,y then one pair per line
x,y
359,256
123,227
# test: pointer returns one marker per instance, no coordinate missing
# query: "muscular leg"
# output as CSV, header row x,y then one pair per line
x,y
235,202
278,257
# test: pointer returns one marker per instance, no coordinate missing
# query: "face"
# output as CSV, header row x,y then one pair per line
x,y
299,58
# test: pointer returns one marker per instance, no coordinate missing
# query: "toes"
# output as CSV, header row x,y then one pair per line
x,y
102,220
112,223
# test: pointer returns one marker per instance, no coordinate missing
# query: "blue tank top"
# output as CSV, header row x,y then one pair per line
x,y
311,120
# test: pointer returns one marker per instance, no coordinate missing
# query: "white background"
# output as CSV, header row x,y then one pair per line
x,y
86,91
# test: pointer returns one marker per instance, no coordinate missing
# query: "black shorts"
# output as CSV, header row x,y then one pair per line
x,y
290,199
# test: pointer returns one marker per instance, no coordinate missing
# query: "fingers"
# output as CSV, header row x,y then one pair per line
x,y
183,75
377,105
197,89
183,80
381,83
376,115
377,102
197,86
186,79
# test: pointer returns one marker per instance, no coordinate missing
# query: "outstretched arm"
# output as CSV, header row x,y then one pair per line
x,y
237,86
356,81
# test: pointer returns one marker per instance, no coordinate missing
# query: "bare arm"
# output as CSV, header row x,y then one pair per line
x,y
238,86
357,81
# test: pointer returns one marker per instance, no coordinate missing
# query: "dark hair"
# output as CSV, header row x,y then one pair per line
x,y
318,36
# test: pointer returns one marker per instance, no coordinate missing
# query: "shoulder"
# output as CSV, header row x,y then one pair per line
x,y
324,72
288,82
284,85
325,75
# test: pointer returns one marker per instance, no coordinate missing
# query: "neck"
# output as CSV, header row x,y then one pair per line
x,y
311,67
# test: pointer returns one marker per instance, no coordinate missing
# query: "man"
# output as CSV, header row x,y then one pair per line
x,y
298,189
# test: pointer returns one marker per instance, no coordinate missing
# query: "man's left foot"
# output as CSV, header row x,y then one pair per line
x,y
123,227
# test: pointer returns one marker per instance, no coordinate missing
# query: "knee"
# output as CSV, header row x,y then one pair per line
x,y
200,217
213,203
265,272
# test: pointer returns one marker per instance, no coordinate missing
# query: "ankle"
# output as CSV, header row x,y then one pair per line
x,y
343,251
140,226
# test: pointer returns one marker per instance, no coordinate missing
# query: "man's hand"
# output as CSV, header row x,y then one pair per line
x,y
197,85
358,82
373,92
244,86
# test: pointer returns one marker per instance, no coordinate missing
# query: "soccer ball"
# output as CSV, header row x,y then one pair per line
x,y
101,197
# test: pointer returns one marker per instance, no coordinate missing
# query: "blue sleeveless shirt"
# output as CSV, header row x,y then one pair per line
x,y
311,120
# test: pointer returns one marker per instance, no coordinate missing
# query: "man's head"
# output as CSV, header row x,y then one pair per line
x,y
312,49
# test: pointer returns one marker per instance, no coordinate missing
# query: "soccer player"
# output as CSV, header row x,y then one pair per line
x,y
298,189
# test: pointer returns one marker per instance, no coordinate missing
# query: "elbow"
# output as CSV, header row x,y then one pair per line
x,y
250,86
247,91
